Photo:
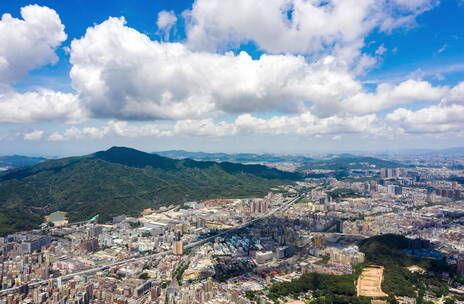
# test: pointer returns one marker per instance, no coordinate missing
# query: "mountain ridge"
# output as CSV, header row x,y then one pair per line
x,y
123,180
232,157
16,161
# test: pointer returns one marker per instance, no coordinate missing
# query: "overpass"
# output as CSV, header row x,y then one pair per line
x,y
341,234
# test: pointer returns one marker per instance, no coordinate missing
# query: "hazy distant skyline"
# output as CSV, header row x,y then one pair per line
x,y
264,76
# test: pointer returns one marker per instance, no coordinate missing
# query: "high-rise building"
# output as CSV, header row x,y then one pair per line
x,y
90,244
318,241
155,292
88,292
394,189
383,173
390,172
391,189
259,206
178,248
374,187
367,187
430,190
431,198
461,265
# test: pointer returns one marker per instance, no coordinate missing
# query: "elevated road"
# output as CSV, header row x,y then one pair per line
x,y
94,270
362,236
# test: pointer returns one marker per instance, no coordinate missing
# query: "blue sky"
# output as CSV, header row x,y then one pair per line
x,y
284,76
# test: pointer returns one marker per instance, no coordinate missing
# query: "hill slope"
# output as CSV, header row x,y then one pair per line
x,y
387,250
122,180
236,158
16,161
347,162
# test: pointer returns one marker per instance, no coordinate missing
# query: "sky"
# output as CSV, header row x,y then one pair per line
x,y
263,76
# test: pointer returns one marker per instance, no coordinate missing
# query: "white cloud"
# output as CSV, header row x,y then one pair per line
x,y
296,26
76,133
433,119
337,27
34,135
122,128
388,96
55,136
28,43
413,5
41,105
381,50
120,73
442,49
304,124
112,127
445,117
307,124
166,21
399,13
456,94
203,127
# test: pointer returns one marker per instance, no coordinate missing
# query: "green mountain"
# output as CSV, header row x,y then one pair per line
x,y
388,250
347,162
122,180
237,158
16,161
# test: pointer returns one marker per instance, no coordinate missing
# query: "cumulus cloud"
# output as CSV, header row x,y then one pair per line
x,y
40,105
112,127
310,77
388,96
204,127
433,119
28,43
456,94
166,21
304,124
76,133
120,73
307,124
34,135
447,116
296,26
122,128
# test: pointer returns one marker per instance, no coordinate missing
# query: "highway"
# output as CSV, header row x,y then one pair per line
x,y
283,207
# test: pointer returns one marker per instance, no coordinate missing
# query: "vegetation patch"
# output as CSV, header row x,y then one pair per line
x,y
123,181
387,250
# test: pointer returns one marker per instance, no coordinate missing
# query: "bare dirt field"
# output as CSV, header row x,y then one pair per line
x,y
370,282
